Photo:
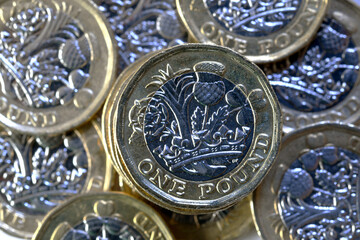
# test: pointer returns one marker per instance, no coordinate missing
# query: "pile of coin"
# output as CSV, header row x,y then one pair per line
x,y
179,119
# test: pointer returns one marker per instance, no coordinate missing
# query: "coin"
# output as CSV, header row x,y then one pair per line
x,y
57,64
262,30
142,26
229,224
321,82
39,173
105,215
108,112
185,149
313,193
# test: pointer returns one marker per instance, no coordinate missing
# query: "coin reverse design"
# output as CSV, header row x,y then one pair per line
x,y
50,56
141,27
320,83
105,215
40,173
313,194
262,30
199,135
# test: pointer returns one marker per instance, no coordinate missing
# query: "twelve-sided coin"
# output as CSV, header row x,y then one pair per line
x,y
196,128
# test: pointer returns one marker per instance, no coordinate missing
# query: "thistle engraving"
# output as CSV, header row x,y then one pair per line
x,y
324,74
142,27
44,53
39,173
198,125
104,223
319,195
253,18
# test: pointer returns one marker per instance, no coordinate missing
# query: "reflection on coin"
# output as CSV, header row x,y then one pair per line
x,y
109,111
262,30
142,26
321,82
38,174
57,63
103,216
195,128
229,224
313,194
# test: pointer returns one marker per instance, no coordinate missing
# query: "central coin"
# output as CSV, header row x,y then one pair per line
x,y
196,128
198,125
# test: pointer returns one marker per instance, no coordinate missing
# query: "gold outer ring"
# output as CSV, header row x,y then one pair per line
x,y
203,28
129,210
264,205
89,99
130,156
98,179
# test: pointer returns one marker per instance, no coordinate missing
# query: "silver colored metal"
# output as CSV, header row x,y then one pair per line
x,y
142,26
99,227
43,63
253,17
40,173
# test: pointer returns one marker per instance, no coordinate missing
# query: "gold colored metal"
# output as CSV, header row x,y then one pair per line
x,y
110,213
22,221
160,185
321,162
57,65
233,223
268,46
334,73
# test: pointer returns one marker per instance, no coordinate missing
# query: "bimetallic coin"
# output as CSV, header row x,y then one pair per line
x,y
109,110
314,191
57,63
142,26
39,173
196,128
321,82
262,30
103,216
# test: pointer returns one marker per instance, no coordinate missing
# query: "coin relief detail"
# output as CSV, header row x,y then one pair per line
x,y
155,22
318,193
262,30
204,125
199,125
324,76
253,17
102,223
44,55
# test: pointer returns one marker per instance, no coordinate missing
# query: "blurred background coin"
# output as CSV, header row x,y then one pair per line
x,y
196,127
234,223
321,82
39,173
103,216
313,193
262,30
57,64
142,26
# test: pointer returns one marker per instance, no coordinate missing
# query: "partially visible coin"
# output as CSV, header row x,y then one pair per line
x,y
230,224
195,128
103,216
262,30
39,173
57,64
321,82
314,191
142,26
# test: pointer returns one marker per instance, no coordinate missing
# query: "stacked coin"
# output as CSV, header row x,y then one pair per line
x,y
191,128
